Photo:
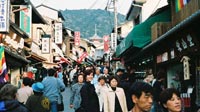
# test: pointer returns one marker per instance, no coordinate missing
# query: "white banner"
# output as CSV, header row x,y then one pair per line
x,y
113,41
77,38
46,44
58,33
4,15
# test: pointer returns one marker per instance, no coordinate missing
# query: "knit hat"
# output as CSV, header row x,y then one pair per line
x,y
38,87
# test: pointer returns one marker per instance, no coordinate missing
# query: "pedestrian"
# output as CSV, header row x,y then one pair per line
x,y
125,84
170,100
89,98
8,101
52,88
25,91
106,74
119,72
100,90
142,97
114,97
96,76
40,102
72,74
75,98
65,77
158,87
60,73
148,78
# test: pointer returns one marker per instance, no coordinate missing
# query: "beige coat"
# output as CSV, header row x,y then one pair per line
x,y
109,100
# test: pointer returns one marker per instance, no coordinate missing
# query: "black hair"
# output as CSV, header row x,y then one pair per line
x,y
26,81
167,95
51,72
101,78
87,72
120,70
37,93
138,87
113,77
79,74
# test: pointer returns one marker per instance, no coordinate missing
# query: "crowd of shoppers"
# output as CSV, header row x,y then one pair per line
x,y
93,89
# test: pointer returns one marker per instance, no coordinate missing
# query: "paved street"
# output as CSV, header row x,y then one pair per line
x,y
66,94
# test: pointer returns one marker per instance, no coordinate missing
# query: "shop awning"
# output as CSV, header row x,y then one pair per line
x,y
50,65
13,59
192,21
34,58
140,35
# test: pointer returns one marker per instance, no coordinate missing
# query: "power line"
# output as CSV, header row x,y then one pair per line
x,y
93,4
43,1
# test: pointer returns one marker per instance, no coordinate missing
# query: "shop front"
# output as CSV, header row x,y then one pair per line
x,y
130,50
177,52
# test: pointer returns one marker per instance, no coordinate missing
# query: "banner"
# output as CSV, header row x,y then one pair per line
x,y
25,18
179,4
77,39
82,57
58,33
4,15
46,44
64,60
106,43
3,67
113,41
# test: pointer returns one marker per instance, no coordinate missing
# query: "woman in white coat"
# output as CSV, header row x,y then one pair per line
x,y
114,97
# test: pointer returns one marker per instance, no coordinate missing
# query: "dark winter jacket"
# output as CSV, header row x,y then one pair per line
x,y
12,106
89,102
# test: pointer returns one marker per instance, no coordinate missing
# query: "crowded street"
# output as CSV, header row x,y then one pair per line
x,y
99,56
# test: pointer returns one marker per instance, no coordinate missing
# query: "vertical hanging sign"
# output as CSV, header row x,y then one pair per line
x,y
58,33
113,41
4,15
77,36
25,18
106,43
46,44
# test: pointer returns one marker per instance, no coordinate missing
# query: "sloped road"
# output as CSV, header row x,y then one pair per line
x,y
66,95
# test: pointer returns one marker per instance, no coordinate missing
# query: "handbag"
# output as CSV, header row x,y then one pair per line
x,y
60,104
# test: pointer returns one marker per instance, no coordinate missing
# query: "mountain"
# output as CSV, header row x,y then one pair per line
x,y
84,20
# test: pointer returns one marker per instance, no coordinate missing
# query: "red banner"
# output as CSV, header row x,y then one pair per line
x,y
82,57
106,43
64,60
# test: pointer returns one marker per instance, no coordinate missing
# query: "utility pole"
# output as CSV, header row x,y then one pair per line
x,y
114,34
115,23
113,41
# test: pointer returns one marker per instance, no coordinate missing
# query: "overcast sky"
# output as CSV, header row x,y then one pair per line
x,y
122,5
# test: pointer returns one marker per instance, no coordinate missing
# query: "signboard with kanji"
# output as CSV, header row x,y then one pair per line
x,y
4,15
77,36
46,44
58,33
25,18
